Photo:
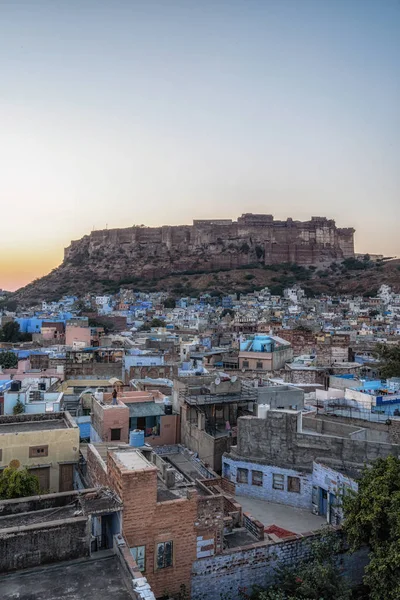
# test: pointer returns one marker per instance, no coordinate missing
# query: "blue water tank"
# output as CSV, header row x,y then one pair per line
x,y
136,438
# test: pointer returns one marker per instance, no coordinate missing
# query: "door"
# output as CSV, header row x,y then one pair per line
x,y
141,423
66,478
323,502
43,474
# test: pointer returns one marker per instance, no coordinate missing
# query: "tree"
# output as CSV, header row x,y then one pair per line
x,y
372,517
170,303
315,578
10,332
17,482
8,360
157,323
390,359
19,408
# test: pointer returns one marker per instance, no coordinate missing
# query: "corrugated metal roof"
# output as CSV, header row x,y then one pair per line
x,y
145,409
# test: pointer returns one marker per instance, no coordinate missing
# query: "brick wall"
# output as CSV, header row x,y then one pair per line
x,y
210,523
147,522
244,567
96,467
254,526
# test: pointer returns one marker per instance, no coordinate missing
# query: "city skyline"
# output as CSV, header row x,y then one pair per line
x,y
122,113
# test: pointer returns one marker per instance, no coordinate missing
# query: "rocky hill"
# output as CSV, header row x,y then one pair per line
x,y
348,277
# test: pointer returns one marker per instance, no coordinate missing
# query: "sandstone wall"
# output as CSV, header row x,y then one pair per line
x,y
209,245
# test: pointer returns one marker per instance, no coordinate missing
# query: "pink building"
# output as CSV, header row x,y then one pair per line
x,y
144,410
77,336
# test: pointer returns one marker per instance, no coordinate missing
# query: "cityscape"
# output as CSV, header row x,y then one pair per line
x,y
200,300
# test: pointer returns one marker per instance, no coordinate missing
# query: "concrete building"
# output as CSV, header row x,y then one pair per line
x,y
134,410
301,461
55,539
264,353
46,444
34,397
209,407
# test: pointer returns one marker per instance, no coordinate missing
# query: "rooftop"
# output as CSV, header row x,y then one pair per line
x,y
24,426
99,578
297,520
133,460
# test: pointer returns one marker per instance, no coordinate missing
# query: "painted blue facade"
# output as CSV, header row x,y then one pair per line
x,y
259,343
29,325
266,491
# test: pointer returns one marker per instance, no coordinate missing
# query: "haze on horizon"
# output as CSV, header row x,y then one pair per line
x,y
118,112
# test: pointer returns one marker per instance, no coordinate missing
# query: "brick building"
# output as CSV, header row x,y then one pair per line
x,y
166,523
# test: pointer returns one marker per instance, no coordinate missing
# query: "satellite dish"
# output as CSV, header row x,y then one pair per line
x,y
233,378
217,381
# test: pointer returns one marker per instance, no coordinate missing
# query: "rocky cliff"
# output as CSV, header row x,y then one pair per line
x,y
150,253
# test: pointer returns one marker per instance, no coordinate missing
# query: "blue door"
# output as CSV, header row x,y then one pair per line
x,y
323,502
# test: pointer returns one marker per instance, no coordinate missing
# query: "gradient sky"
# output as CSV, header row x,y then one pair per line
x,y
124,112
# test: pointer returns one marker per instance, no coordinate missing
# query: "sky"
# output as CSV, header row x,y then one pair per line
x,y
122,112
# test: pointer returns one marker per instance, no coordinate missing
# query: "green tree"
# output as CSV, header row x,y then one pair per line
x,y
10,332
19,408
389,357
157,323
315,578
8,360
16,482
170,303
372,518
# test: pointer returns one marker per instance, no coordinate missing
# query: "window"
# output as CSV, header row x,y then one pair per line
x,y
257,478
242,475
115,435
293,484
164,555
38,451
139,556
259,364
278,481
245,364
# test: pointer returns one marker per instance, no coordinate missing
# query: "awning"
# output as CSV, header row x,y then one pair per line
x,y
145,409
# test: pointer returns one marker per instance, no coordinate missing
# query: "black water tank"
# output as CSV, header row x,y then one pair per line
x,y
168,409
42,386
15,385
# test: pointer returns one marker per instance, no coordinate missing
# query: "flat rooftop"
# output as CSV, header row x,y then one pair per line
x,y
37,516
133,460
100,578
22,426
297,520
183,465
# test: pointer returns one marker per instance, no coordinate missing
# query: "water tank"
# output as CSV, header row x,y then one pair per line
x,y
136,438
15,385
168,409
262,410
42,386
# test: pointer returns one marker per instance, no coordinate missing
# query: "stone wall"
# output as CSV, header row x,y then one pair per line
x,y
279,440
209,245
241,568
29,546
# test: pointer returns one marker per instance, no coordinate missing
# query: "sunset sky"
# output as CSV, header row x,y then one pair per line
x,y
122,112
